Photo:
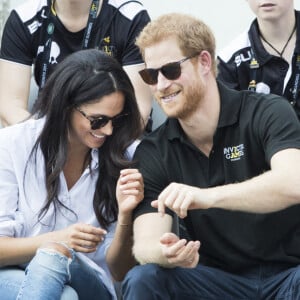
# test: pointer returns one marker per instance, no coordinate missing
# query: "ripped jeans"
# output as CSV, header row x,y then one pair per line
x,y
51,275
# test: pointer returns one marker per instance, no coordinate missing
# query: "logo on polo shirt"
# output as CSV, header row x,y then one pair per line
x,y
234,153
106,46
241,57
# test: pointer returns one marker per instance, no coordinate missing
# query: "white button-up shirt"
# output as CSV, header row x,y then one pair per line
x,y
22,197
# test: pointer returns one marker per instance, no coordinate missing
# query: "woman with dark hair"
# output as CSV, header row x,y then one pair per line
x,y
68,186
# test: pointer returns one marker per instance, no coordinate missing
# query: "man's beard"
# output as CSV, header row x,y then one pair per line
x,y
191,101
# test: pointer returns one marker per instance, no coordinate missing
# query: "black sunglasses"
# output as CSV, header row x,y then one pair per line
x,y
171,71
100,122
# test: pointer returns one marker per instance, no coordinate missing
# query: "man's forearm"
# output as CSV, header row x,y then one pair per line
x,y
272,191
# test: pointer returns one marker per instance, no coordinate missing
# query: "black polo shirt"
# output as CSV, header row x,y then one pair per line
x,y
234,65
252,127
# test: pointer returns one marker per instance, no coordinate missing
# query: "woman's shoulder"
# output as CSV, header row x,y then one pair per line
x,y
131,149
21,134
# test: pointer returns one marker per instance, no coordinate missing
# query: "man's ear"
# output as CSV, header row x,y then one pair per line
x,y
204,59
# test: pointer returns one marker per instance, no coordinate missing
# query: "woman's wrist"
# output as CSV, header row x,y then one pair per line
x,y
121,224
125,220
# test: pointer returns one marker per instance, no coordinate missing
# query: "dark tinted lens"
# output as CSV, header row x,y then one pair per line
x,y
118,121
149,75
171,71
100,122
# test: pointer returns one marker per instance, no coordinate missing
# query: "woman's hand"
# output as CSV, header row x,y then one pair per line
x,y
81,237
130,191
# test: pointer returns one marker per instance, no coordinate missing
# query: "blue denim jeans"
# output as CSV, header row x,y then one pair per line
x,y
51,275
149,282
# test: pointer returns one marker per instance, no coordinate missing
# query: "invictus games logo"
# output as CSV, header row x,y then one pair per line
x,y
234,152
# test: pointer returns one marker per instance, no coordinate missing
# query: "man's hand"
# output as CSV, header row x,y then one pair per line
x,y
179,252
180,198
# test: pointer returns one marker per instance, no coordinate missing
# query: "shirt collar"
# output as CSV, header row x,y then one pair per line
x,y
94,158
257,46
260,52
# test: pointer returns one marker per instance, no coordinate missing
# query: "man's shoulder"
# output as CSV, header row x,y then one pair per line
x,y
260,106
264,99
247,104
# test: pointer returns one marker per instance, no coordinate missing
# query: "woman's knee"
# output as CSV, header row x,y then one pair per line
x,y
60,248
51,258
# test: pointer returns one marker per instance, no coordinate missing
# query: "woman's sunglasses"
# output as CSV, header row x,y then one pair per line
x,y
171,71
100,122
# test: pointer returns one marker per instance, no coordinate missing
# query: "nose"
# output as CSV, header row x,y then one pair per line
x,y
108,128
162,82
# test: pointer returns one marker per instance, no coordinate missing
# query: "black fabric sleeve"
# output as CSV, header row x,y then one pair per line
x,y
16,41
131,54
155,176
278,126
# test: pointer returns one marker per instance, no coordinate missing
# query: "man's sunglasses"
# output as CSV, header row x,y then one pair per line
x,y
100,122
171,71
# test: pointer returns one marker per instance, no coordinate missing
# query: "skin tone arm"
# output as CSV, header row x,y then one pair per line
x,y
142,91
14,92
154,243
279,188
81,237
130,192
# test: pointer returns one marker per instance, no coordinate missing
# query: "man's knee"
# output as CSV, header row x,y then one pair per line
x,y
142,271
144,277
296,279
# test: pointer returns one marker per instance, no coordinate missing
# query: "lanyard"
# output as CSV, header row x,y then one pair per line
x,y
254,65
49,34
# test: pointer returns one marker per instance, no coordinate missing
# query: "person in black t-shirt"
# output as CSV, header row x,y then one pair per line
x,y
43,32
226,163
266,58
